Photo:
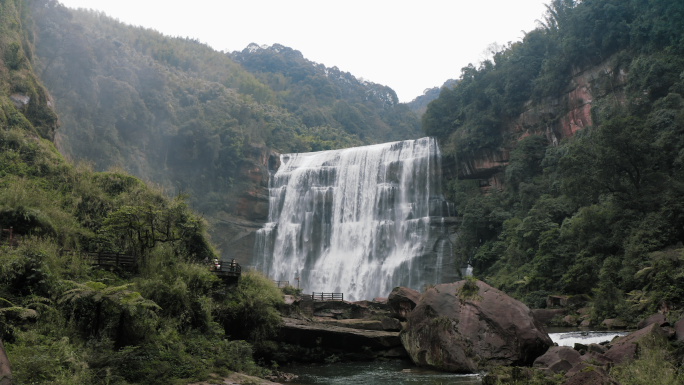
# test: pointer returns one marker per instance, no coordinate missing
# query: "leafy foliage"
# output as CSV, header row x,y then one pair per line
x,y
65,321
599,213
573,34
322,96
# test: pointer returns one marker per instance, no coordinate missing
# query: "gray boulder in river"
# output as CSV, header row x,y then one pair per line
x,y
467,326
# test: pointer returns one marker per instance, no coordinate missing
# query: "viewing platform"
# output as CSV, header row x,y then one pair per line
x,y
228,272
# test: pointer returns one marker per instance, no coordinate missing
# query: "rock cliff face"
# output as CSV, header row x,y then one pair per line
x,y
234,233
554,118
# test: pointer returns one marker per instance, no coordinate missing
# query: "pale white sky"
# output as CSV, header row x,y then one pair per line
x,y
407,45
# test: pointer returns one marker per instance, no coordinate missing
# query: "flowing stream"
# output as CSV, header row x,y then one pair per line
x,y
359,221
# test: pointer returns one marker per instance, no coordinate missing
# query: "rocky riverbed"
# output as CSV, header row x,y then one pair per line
x,y
470,327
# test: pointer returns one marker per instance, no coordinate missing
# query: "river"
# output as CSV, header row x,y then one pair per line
x,y
402,372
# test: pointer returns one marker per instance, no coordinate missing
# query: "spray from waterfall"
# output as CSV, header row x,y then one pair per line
x,y
359,221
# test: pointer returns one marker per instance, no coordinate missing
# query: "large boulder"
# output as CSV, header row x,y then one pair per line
x,y
679,329
402,301
626,348
557,359
546,315
557,353
468,325
655,318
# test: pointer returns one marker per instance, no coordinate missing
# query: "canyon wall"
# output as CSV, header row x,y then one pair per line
x,y
554,118
233,230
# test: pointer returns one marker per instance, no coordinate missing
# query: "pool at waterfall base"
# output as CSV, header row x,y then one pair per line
x,y
404,372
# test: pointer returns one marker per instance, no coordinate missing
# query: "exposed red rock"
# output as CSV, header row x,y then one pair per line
x,y
553,118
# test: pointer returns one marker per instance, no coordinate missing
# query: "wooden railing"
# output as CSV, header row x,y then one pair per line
x,y
327,296
227,268
111,259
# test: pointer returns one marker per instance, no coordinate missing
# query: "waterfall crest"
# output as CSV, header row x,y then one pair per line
x,y
360,221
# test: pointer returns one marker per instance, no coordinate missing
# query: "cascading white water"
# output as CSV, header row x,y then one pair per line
x,y
357,220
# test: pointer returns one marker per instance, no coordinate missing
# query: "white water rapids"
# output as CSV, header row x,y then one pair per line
x,y
358,220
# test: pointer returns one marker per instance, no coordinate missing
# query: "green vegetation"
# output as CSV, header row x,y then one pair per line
x,y
175,112
420,103
322,96
171,111
469,291
600,213
656,361
573,35
66,321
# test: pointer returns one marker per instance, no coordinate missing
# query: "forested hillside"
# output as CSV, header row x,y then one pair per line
x,y
175,112
420,103
577,135
64,320
321,95
171,111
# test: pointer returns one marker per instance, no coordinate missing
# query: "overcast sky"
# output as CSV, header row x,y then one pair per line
x,y
407,45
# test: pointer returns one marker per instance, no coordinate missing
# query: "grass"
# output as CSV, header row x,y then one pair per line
x,y
655,365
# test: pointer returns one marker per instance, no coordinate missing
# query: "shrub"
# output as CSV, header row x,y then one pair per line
x,y
249,310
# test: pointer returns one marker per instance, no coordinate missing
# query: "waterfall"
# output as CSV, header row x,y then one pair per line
x,y
360,221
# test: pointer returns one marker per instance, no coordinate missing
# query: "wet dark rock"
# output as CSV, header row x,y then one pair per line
x,y
579,347
464,329
402,301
